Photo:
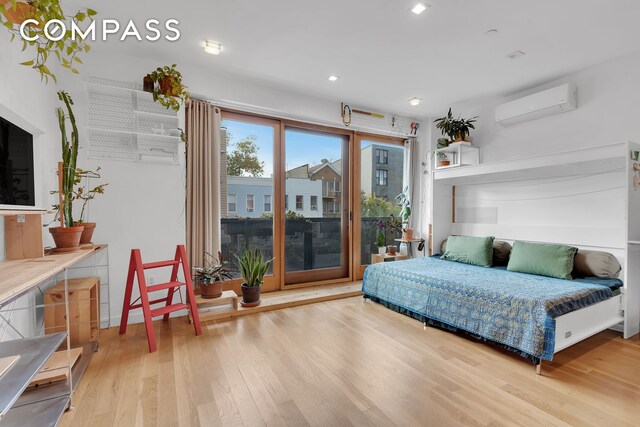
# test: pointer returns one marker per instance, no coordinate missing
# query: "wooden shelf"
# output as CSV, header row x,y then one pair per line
x,y
45,413
19,276
35,211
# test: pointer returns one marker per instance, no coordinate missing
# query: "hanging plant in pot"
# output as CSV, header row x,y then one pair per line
x,y
209,278
67,50
168,89
253,267
67,236
404,201
85,193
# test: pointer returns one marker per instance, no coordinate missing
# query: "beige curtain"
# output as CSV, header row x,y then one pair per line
x,y
203,180
412,179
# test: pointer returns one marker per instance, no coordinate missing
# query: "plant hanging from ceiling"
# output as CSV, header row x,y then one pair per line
x,y
168,89
67,50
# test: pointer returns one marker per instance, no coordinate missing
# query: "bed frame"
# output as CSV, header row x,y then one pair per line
x,y
452,214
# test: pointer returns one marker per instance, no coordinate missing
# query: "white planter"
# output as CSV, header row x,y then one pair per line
x,y
382,250
404,249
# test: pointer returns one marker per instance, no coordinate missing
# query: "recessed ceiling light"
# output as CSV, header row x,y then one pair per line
x,y
419,8
515,54
333,78
214,48
415,101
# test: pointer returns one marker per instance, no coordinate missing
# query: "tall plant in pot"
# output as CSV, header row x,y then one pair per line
x,y
253,267
210,277
404,201
67,236
393,227
86,193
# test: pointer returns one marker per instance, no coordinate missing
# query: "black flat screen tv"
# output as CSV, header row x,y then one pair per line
x,y
16,166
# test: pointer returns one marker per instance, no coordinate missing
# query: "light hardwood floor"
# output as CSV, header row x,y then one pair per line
x,y
346,362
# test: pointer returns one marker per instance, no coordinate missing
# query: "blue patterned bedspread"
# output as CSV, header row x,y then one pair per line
x,y
514,309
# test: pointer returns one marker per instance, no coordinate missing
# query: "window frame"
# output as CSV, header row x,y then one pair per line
x,y
301,196
269,203
253,203
235,202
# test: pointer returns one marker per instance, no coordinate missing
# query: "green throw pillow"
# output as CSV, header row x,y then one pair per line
x,y
470,250
543,259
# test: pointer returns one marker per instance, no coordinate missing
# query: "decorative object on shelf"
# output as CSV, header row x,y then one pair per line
x,y
67,50
380,238
345,113
443,160
392,249
404,200
85,193
457,129
168,88
67,236
210,277
147,84
253,267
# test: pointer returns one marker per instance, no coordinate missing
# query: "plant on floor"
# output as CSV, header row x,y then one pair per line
x,y
67,50
404,201
168,88
67,236
457,129
210,277
253,267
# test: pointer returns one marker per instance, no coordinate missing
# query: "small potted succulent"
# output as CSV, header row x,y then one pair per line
x,y
85,193
253,267
168,89
210,277
443,160
404,201
394,227
457,129
380,238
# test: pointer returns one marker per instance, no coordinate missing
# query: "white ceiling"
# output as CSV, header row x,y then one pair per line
x,y
384,54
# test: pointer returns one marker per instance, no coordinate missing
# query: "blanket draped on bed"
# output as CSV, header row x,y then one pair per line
x,y
514,309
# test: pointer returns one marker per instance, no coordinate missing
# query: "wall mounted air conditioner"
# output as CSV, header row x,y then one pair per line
x,y
546,103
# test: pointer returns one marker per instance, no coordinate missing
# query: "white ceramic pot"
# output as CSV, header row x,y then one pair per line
x,y
382,250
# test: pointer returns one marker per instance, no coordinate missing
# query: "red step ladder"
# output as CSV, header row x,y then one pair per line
x,y
136,267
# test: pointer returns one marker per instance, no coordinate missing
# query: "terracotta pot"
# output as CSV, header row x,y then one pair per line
x,y
166,86
147,84
67,238
87,233
444,163
407,233
18,14
392,249
211,290
250,295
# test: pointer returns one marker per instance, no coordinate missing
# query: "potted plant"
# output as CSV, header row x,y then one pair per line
x,y
253,267
67,236
67,50
394,227
404,201
168,89
443,160
380,238
85,193
457,129
210,278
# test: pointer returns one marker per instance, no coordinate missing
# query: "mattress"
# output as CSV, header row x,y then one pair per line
x,y
516,310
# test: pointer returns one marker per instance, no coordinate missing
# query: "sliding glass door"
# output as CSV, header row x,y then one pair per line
x,y
317,205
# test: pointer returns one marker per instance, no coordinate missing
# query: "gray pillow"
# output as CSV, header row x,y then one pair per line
x,y
596,264
501,251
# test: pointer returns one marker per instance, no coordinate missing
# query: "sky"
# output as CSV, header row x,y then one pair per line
x,y
300,147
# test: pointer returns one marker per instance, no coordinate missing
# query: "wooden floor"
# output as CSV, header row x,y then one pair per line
x,y
347,362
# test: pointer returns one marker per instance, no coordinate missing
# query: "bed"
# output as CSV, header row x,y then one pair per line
x,y
534,316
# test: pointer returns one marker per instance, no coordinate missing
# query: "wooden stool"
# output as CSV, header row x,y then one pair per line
x,y
228,297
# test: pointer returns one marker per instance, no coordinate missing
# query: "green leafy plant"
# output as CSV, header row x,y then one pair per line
x,y
213,270
168,89
253,267
67,51
394,226
69,156
404,201
84,192
457,129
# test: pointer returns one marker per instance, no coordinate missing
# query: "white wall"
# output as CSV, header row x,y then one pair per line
x,y
606,114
